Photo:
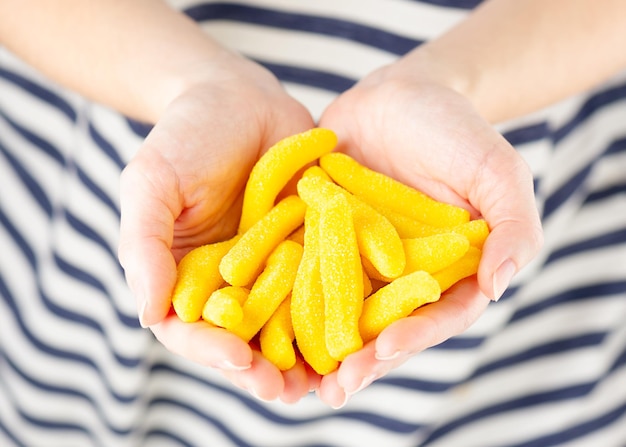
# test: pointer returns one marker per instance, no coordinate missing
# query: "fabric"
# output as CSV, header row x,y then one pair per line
x,y
545,366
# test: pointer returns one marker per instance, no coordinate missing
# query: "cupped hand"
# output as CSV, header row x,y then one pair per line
x,y
429,136
184,189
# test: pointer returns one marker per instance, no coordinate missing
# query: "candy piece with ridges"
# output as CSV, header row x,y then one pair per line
x,y
433,253
242,263
475,230
430,254
316,172
272,286
276,167
342,278
407,227
224,306
276,338
307,302
396,300
463,268
197,276
377,239
379,190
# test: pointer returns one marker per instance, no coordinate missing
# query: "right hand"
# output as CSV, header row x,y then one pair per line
x,y
184,189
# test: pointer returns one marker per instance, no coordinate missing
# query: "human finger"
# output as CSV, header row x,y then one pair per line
x,y
426,327
505,197
204,344
296,383
148,204
262,379
430,325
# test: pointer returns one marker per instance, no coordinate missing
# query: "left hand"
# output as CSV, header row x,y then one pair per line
x,y
427,135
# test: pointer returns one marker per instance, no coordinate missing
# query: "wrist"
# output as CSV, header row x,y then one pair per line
x,y
223,70
428,65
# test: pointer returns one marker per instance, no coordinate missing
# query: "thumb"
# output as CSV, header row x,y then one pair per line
x,y
148,195
503,192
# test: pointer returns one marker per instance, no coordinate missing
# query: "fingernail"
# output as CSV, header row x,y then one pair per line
x,y
364,383
342,404
502,278
254,394
391,356
229,366
142,313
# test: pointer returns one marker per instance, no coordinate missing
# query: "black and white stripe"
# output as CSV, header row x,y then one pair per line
x,y
545,366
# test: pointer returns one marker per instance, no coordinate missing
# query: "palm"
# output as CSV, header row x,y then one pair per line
x,y
425,136
431,138
201,165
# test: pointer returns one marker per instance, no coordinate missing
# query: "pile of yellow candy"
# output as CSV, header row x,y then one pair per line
x,y
324,271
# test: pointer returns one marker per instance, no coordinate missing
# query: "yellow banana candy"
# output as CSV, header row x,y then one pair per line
x,y
316,172
377,238
297,235
197,276
475,230
320,273
379,190
276,338
433,253
224,306
463,268
407,227
276,167
242,263
396,300
307,302
272,286
429,253
342,278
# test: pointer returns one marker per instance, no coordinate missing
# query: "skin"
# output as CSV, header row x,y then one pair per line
x,y
215,113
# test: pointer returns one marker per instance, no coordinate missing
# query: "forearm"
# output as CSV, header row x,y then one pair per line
x,y
511,57
134,56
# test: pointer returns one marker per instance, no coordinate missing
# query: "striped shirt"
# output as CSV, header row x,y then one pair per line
x,y
545,366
